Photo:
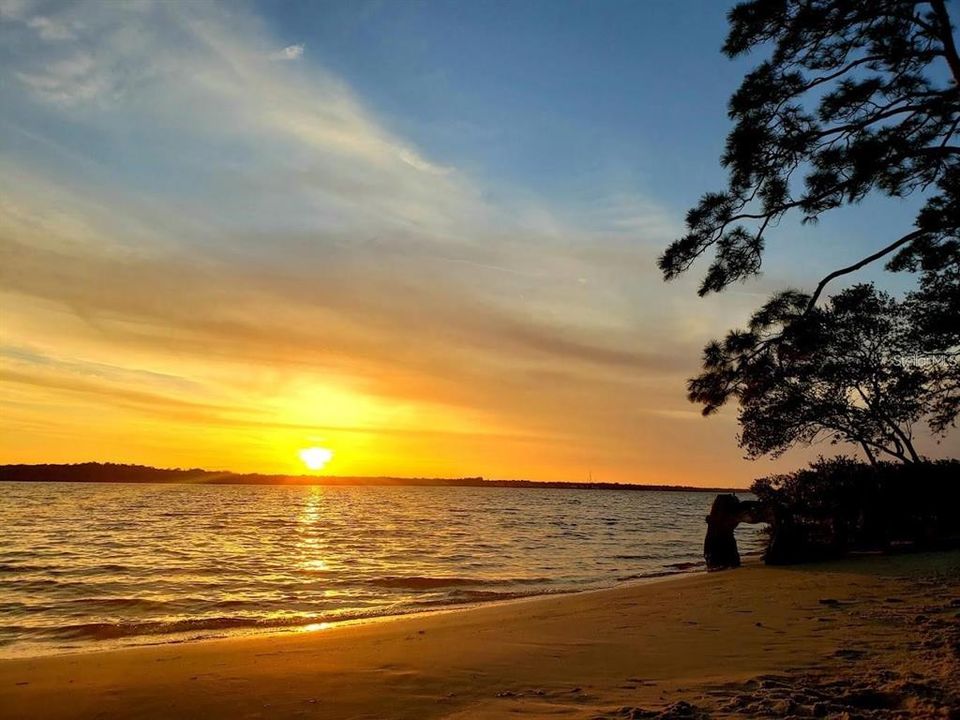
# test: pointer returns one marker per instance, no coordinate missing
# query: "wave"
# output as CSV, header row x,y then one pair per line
x,y
11,568
200,627
679,568
121,630
686,565
422,582
647,576
180,629
634,557
472,597
153,628
133,603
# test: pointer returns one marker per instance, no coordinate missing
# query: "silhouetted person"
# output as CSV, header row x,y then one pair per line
x,y
720,546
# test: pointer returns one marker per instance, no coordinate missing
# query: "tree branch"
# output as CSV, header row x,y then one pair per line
x,y
909,237
946,37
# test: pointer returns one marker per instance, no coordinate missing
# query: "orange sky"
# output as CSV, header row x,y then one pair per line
x,y
212,257
149,353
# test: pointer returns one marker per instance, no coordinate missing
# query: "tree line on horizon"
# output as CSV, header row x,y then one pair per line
x,y
106,472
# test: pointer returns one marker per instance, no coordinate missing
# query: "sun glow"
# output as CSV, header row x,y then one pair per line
x,y
315,458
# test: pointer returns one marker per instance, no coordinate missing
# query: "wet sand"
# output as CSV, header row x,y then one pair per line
x,y
870,637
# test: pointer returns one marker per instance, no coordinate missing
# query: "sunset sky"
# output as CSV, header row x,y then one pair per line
x,y
420,235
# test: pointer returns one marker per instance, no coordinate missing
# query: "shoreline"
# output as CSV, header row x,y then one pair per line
x,y
99,646
701,638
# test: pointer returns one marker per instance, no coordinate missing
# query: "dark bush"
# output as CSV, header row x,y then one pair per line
x,y
839,504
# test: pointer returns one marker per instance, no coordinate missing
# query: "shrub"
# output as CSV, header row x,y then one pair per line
x,y
840,504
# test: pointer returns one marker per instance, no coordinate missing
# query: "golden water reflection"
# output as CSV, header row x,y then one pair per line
x,y
311,545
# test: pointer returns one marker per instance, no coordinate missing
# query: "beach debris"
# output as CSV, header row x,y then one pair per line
x,y
680,710
862,686
519,694
784,707
849,654
882,695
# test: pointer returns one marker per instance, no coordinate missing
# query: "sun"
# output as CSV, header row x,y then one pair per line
x,y
315,457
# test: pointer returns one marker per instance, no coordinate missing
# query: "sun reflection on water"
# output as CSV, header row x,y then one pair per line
x,y
311,545
314,627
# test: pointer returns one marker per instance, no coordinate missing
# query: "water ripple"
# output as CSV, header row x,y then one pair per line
x,y
83,565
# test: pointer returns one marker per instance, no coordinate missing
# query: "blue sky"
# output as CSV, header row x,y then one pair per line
x,y
553,97
422,234
574,101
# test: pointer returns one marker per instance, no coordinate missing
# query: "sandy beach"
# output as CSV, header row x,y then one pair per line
x,y
869,637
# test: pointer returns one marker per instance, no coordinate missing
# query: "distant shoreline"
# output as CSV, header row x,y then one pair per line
x,y
142,474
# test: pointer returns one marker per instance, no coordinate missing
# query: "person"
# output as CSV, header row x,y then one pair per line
x,y
720,546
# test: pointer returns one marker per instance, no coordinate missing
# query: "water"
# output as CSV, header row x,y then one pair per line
x,y
91,565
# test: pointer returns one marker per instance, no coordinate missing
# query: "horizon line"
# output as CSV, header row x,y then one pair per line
x,y
219,476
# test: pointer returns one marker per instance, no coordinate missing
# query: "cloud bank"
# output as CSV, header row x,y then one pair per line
x,y
212,255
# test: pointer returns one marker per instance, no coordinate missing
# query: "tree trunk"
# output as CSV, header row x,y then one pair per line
x,y
910,449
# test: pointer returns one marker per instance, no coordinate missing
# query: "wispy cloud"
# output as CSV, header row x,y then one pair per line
x,y
177,204
69,81
48,29
290,52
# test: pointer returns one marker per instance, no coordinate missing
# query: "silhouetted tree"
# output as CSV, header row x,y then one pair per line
x,y
934,333
853,97
848,371
838,504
